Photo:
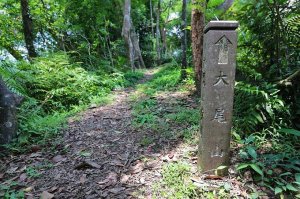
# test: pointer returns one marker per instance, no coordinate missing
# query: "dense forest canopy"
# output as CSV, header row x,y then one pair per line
x,y
59,57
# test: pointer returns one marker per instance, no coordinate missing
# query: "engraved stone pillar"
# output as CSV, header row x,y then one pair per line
x,y
218,78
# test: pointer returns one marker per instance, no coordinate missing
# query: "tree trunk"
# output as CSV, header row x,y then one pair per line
x,y
8,108
183,40
225,5
126,32
28,29
151,16
15,53
158,37
198,22
164,40
136,46
131,39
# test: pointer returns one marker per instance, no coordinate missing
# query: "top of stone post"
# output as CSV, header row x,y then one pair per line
x,y
221,25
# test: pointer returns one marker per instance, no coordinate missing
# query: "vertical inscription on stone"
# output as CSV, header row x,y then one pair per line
x,y
223,50
218,73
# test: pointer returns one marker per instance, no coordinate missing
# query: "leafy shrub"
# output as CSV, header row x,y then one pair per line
x,y
59,84
278,172
167,78
185,116
54,88
35,126
13,77
132,77
259,107
175,177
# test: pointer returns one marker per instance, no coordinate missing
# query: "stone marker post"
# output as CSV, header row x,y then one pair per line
x,y
8,109
218,78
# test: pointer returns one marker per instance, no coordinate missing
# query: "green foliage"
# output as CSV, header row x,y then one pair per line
x,y
290,131
211,12
59,84
190,135
279,172
185,116
146,118
176,181
132,77
166,78
10,25
145,105
269,33
9,191
148,112
176,184
55,88
268,49
143,112
12,76
32,172
146,141
263,109
35,125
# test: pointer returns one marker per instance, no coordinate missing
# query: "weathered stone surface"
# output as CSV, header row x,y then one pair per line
x,y
218,78
221,25
8,108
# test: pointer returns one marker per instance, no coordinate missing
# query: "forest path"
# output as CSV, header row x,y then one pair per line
x,y
104,154
100,156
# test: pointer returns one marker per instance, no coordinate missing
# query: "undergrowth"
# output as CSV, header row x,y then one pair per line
x,y
147,111
55,88
176,184
269,144
268,147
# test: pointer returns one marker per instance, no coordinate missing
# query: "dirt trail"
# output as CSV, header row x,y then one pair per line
x,y
101,155
102,158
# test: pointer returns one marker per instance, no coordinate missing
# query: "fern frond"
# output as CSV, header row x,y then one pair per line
x,y
293,28
12,78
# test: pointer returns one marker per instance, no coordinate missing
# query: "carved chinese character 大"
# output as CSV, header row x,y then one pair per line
x,y
219,115
221,79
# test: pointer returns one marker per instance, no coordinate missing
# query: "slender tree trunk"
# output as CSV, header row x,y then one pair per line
x,y
158,36
164,32
278,33
28,29
109,51
131,38
15,53
138,55
198,22
183,40
151,16
164,40
108,43
152,26
225,5
126,32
